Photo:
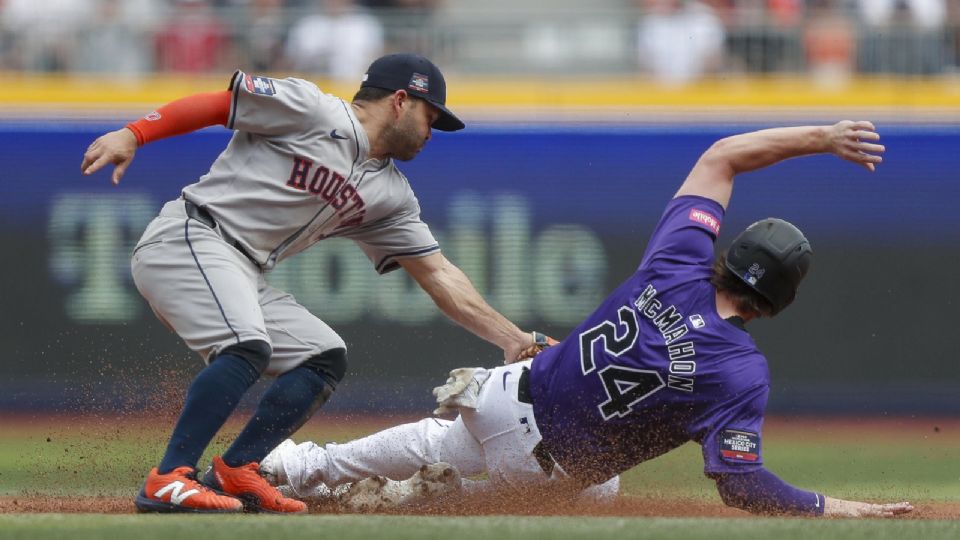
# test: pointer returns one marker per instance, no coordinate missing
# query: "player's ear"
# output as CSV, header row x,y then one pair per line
x,y
399,101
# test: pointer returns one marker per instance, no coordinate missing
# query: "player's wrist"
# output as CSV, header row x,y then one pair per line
x,y
135,133
823,140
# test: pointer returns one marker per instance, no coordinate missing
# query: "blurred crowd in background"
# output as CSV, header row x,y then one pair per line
x,y
674,41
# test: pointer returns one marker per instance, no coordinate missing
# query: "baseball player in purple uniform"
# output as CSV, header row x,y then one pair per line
x,y
664,360
302,166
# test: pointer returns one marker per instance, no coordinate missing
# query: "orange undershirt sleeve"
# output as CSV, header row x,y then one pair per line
x,y
183,116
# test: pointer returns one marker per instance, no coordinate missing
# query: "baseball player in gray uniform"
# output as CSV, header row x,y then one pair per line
x,y
301,166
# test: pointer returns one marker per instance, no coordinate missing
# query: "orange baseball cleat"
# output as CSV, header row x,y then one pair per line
x,y
179,491
246,483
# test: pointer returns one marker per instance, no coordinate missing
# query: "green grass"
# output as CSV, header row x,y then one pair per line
x,y
64,458
81,527
107,458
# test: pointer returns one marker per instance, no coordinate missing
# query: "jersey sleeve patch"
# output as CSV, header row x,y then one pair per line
x,y
739,446
706,219
259,85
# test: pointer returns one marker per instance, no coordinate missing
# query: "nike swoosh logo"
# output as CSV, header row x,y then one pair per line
x,y
505,375
335,136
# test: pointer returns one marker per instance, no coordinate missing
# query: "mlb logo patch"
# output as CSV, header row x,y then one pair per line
x,y
697,321
419,83
706,219
259,85
739,446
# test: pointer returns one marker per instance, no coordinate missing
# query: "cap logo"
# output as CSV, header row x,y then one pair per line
x,y
365,77
754,273
420,83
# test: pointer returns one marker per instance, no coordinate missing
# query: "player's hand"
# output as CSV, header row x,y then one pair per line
x,y
521,342
116,147
538,342
853,509
856,142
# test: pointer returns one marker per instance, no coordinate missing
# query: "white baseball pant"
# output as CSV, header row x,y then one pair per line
x,y
497,438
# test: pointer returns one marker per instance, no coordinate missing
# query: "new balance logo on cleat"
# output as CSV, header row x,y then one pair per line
x,y
176,497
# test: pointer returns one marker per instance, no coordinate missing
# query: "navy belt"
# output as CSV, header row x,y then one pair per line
x,y
200,214
523,387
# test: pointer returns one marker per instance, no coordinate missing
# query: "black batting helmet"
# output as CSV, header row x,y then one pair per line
x,y
772,257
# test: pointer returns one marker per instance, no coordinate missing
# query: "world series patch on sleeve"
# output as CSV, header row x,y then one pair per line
x,y
739,445
259,85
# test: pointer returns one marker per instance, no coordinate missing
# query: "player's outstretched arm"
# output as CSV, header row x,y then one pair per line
x,y
762,492
841,508
712,176
175,118
452,292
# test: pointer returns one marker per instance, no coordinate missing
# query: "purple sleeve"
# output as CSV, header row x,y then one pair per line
x,y
733,434
685,234
762,492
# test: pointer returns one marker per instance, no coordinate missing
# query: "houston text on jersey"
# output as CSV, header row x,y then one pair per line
x,y
329,185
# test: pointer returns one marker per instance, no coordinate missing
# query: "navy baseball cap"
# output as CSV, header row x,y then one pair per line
x,y
419,77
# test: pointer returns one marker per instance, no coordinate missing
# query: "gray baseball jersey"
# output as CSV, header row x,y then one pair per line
x,y
297,171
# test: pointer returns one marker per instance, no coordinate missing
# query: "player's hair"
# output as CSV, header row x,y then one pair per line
x,y
370,93
745,299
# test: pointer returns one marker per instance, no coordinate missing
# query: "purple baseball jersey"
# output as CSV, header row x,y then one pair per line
x,y
655,365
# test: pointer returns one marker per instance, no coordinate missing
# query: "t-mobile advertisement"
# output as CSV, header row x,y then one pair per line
x,y
545,221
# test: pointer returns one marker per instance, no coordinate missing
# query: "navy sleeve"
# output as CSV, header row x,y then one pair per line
x,y
762,492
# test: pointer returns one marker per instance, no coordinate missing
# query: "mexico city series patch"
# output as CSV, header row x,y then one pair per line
x,y
739,445
259,85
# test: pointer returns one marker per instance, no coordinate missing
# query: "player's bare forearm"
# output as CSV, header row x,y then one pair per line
x,y
456,296
759,149
712,176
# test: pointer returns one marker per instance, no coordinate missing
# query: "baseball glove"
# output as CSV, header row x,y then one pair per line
x,y
540,342
462,389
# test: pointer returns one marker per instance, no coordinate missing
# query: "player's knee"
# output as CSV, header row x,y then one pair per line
x,y
255,352
330,364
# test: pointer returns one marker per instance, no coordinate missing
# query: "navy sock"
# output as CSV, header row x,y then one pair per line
x,y
211,398
287,405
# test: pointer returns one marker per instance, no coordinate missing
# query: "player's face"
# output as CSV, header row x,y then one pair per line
x,y
412,130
